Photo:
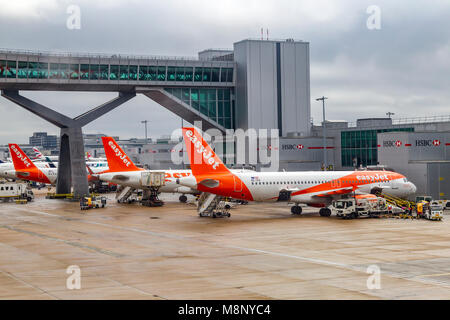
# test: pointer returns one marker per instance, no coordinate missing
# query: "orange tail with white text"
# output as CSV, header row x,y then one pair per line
x,y
118,161
209,170
202,158
20,159
24,167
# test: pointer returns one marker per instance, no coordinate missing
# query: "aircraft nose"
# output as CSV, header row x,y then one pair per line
x,y
413,187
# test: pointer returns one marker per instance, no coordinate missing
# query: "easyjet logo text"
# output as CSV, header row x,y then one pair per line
x,y
21,156
119,154
373,177
207,156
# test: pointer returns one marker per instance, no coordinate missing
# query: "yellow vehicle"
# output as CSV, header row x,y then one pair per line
x,y
87,203
429,210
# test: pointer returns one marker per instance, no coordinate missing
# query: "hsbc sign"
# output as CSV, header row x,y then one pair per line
x,y
418,143
428,143
292,147
392,143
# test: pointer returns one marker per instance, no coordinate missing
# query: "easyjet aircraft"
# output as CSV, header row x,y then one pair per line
x,y
6,168
124,172
315,188
25,169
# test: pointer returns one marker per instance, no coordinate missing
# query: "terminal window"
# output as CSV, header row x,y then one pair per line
x,y
216,104
359,147
84,71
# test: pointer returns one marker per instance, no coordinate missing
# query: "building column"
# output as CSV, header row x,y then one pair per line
x,y
72,165
64,181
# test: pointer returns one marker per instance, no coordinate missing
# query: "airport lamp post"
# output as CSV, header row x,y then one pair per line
x,y
324,133
145,123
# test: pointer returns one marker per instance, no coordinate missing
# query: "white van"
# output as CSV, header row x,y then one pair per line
x,y
13,191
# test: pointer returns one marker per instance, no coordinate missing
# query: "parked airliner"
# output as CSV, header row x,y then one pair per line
x,y
23,168
123,171
315,188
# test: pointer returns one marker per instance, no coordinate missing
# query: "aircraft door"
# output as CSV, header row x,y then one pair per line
x,y
237,184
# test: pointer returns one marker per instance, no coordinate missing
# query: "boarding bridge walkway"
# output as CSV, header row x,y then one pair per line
x,y
193,89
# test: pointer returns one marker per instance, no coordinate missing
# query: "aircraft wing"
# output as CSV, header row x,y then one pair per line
x,y
336,192
347,190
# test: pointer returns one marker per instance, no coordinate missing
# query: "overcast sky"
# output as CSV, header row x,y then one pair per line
x,y
404,67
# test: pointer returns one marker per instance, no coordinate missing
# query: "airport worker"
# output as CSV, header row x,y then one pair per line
x,y
419,209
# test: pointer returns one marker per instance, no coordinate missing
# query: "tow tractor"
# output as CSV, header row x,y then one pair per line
x,y
432,210
364,205
93,202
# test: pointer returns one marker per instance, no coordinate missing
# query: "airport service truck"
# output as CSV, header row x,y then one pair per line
x,y
15,191
434,211
365,205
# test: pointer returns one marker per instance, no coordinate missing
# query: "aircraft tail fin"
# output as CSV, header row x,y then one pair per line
x,y
117,158
37,153
202,158
51,164
20,160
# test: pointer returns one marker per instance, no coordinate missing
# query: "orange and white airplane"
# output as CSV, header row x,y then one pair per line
x,y
25,169
123,171
315,188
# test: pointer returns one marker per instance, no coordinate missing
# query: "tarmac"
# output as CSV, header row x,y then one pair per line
x,y
127,251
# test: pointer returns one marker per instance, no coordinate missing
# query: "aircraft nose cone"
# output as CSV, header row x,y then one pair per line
x,y
413,188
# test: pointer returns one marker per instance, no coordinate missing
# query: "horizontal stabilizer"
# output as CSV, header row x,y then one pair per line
x,y
121,177
209,183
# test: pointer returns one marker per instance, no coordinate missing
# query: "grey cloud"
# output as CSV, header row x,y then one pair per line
x,y
401,68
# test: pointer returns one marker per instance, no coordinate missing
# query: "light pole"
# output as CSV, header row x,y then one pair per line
x,y
145,123
324,133
389,114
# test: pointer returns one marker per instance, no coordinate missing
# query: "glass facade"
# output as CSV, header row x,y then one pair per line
x,y
44,70
213,103
360,147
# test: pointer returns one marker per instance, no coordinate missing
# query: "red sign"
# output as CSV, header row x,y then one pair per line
x,y
436,142
300,147
398,143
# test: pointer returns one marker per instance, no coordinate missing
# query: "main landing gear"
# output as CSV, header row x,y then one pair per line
x,y
297,210
325,212
183,198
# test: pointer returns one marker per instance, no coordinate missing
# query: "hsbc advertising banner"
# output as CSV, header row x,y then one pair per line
x,y
305,149
419,146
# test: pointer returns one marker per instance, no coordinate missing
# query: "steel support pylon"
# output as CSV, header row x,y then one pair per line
x,y
72,164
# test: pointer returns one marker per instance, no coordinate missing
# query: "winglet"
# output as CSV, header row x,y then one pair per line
x,y
19,158
202,158
117,158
